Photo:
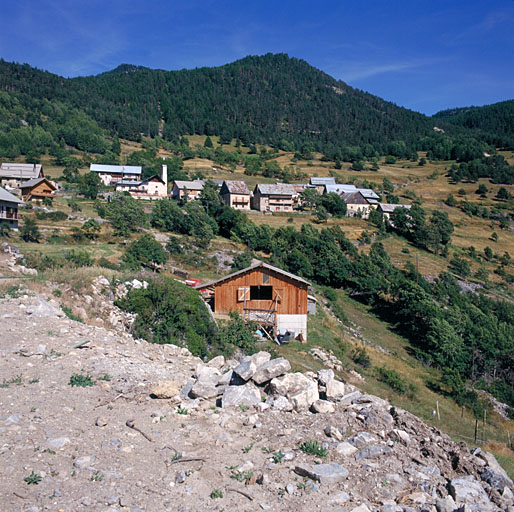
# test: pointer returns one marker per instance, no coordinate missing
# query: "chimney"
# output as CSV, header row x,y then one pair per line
x,y
165,175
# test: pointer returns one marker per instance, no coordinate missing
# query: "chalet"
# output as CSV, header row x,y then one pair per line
x,y
187,190
356,204
320,182
37,189
273,198
276,300
387,210
112,174
155,187
12,175
235,194
339,188
9,209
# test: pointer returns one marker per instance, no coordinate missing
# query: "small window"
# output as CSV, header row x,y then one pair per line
x,y
265,278
242,294
261,293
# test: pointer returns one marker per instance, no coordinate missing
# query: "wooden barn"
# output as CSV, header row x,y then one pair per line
x,y
276,300
37,189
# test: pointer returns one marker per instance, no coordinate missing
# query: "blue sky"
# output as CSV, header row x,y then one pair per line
x,y
421,54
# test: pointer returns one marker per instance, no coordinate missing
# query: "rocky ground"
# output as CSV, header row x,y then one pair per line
x,y
117,424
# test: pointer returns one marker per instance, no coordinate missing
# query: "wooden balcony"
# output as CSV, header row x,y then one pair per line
x,y
10,215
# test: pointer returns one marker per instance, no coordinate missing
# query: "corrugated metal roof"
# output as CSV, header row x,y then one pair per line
x,y
16,170
128,183
389,208
190,185
368,193
278,189
237,187
339,188
116,169
328,180
7,196
261,264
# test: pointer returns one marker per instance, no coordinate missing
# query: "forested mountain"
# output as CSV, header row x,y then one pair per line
x,y
271,99
494,123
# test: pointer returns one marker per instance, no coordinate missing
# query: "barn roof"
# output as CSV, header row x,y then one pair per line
x,y
354,198
236,187
37,181
6,196
340,188
329,180
116,169
190,185
278,189
390,208
260,264
17,170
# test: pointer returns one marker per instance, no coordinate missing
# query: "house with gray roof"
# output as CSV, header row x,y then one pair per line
x,y
9,209
320,181
278,197
12,175
236,194
112,174
187,190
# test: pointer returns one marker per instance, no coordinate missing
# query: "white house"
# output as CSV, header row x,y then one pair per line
x,y
154,187
12,175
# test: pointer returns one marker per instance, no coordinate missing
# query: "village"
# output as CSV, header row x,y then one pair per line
x,y
27,183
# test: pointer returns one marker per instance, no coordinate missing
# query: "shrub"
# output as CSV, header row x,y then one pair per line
x,y
360,357
392,379
81,381
146,252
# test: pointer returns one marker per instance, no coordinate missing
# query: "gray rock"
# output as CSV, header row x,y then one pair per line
x,y
361,508
203,390
246,369
400,436
362,439
325,376
335,390
373,452
495,466
346,449
265,506
333,432
323,407
281,403
208,375
290,489
391,508
260,358
271,369
57,443
445,504
217,362
468,491
339,498
323,473
226,378
186,390
495,480
57,493
241,395
350,397
180,477
301,391
84,462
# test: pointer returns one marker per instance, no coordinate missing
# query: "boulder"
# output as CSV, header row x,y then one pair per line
x,y
246,369
445,504
271,369
335,433
217,362
400,436
323,473
202,390
165,389
325,376
260,358
468,491
297,388
323,406
207,375
241,395
495,467
335,390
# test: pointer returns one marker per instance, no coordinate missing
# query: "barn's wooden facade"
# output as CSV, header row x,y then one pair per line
x,y
271,297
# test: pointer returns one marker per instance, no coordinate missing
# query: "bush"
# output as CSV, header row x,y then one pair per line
x,y
360,357
170,312
236,333
393,379
79,259
146,252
